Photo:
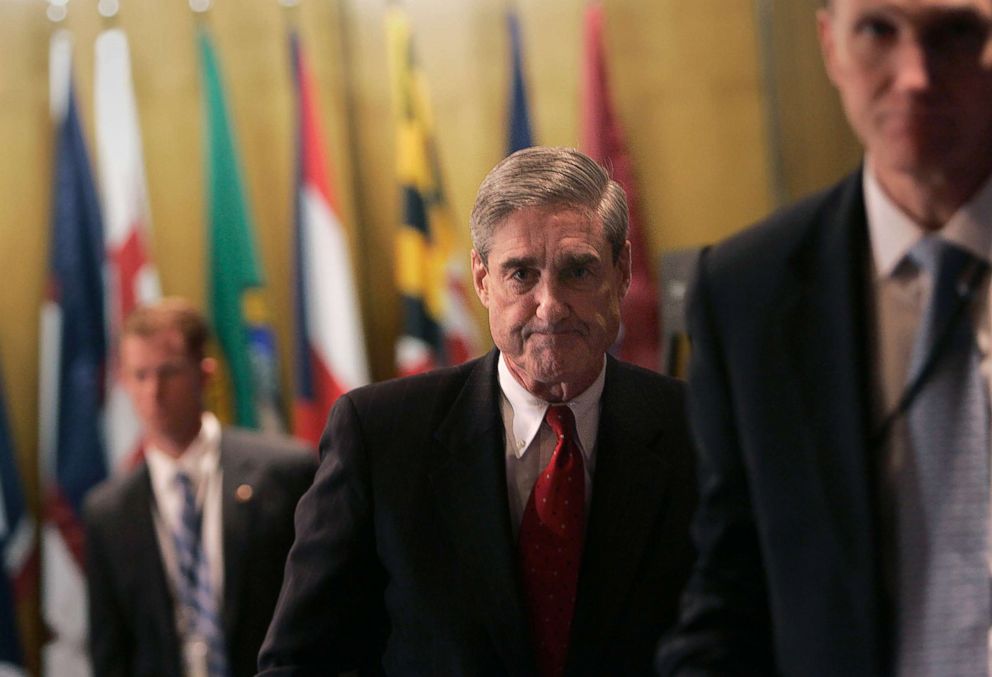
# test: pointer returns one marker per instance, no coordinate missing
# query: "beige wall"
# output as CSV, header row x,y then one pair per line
x,y
687,83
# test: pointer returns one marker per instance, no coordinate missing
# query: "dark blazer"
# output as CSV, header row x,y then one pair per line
x,y
404,563
787,579
131,613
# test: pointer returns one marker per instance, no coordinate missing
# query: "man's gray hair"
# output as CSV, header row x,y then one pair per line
x,y
554,178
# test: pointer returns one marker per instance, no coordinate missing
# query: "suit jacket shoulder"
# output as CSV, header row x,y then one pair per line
x,y
116,495
266,448
760,259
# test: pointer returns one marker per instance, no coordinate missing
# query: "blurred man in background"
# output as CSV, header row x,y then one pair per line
x,y
185,553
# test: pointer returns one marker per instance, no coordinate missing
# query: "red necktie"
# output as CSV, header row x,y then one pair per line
x,y
551,533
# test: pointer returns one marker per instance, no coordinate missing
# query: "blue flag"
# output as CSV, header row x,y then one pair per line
x,y
16,547
519,123
73,358
75,290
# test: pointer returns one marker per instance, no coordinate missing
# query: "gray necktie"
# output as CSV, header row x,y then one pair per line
x,y
943,605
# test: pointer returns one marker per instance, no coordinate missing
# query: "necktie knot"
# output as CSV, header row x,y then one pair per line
x,y
185,483
561,420
945,262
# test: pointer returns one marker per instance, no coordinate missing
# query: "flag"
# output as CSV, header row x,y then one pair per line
x,y
519,123
438,327
602,139
73,359
131,276
330,341
18,550
237,310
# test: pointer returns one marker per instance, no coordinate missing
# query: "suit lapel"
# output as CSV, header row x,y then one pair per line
x,y
236,518
823,327
625,503
469,480
141,541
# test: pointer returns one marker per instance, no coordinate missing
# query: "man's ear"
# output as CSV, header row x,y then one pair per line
x,y
825,32
480,278
208,369
625,269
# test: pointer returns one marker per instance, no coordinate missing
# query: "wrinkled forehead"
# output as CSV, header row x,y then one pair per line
x,y
913,7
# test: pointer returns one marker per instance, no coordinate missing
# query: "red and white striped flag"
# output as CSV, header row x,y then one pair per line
x,y
330,341
131,276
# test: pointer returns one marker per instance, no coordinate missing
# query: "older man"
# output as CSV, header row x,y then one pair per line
x,y
841,411
525,513
185,554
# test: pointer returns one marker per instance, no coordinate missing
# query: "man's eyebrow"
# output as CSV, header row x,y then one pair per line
x,y
515,262
578,260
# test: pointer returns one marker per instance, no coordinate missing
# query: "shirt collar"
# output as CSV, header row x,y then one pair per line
x,y
529,410
893,232
201,458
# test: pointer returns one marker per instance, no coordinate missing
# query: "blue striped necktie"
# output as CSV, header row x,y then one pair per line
x,y
203,636
943,544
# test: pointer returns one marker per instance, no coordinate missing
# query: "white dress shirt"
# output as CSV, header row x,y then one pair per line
x,y
530,442
901,295
201,462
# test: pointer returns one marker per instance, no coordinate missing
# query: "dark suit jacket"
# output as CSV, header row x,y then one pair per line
x,y
787,578
404,562
131,613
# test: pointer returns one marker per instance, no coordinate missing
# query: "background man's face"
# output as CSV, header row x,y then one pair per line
x,y
553,293
165,383
915,78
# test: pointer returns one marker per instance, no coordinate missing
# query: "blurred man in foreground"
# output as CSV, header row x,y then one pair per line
x,y
836,390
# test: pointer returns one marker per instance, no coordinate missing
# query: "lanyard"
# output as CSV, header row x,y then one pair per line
x,y
966,294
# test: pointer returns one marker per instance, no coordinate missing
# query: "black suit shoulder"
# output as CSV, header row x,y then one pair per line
x,y
274,452
115,494
773,244
649,383
432,390
410,408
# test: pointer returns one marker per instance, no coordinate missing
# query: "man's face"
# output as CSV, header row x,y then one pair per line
x,y
165,384
915,78
553,293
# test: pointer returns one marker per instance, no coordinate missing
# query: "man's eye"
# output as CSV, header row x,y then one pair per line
x,y
875,27
964,31
520,275
578,273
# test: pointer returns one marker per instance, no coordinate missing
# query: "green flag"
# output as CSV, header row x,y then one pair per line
x,y
235,274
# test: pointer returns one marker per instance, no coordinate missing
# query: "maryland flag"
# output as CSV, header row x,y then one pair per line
x,y
438,328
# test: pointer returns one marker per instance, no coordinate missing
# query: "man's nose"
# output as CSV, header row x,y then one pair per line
x,y
153,386
913,64
552,305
